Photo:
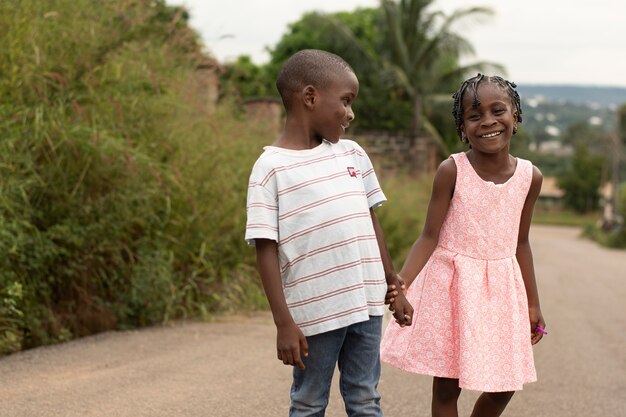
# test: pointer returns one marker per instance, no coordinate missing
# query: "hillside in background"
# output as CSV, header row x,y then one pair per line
x,y
591,96
548,110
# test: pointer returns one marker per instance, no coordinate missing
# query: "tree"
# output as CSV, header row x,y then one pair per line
x,y
424,51
357,37
581,133
243,78
581,182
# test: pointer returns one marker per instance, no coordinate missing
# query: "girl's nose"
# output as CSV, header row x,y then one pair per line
x,y
489,121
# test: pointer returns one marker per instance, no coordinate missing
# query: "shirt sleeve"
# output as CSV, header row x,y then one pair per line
x,y
262,214
375,195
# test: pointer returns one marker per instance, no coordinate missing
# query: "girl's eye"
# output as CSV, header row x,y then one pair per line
x,y
499,111
473,117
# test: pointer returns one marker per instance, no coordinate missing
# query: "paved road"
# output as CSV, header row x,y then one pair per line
x,y
227,368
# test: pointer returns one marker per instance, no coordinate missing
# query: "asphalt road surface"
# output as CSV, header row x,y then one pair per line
x,y
227,368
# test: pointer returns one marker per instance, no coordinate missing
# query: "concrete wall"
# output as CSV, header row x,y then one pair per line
x,y
394,152
266,109
206,84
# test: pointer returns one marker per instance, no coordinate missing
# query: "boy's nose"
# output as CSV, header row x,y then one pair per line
x,y
350,115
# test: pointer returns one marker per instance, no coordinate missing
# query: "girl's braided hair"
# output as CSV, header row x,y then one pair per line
x,y
508,86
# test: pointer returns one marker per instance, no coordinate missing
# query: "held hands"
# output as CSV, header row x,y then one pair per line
x,y
291,345
392,291
537,325
398,304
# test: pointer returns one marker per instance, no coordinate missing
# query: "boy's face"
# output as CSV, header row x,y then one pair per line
x,y
489,126
332,112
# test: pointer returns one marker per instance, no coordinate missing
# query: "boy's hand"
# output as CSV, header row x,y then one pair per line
x,y
291,345
402,310
392,291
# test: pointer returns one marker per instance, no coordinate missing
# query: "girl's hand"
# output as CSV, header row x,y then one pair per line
x,y
537,325
402,311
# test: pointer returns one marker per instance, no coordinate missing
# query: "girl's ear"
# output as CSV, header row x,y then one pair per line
x,y
464,138
309,94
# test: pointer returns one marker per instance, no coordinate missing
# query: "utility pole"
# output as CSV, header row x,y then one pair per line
x,y
611,219
619,138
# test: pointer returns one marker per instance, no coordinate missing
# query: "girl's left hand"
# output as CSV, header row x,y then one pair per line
x,y
537,325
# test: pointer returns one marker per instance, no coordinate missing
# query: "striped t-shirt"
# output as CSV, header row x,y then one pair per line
x,y
315,204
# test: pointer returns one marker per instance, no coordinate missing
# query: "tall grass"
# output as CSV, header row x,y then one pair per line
x,y
122,200
402,216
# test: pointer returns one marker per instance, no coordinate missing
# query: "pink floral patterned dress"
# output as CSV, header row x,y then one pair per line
x,y
471,311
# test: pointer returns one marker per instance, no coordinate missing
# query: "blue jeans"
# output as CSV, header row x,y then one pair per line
x,y
356,351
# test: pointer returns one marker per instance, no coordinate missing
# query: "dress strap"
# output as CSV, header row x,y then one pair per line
x,y
460,159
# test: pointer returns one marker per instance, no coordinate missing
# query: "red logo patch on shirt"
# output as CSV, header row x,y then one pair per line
x,y
352,171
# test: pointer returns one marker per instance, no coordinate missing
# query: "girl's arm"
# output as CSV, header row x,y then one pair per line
x,y
525,258
291,345
443,188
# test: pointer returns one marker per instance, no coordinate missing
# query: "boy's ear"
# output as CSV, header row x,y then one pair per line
x,y
309,95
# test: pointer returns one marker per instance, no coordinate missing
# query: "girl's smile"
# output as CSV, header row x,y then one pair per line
x,y
491,135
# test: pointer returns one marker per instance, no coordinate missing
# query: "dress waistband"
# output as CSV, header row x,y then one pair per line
x,y
456,252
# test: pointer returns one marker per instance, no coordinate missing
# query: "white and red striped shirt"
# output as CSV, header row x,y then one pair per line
x,y
315,204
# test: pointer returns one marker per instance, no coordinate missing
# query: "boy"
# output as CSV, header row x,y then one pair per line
x,y
320,249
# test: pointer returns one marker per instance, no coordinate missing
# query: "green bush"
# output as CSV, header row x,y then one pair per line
x,y
122,196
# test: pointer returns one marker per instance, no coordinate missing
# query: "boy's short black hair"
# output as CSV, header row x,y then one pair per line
x,y
308,67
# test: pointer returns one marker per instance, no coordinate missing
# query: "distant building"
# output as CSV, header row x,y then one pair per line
x,y
552,147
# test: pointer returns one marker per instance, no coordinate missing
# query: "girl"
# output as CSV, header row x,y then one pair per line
x,y
470,275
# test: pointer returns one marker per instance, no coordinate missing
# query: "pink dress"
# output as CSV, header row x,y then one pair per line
x,y
471,311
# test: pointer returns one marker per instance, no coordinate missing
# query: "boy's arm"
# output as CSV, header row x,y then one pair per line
x,y
525,259
291,345
402,311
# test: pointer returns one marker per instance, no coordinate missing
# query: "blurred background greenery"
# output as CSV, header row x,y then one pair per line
x,y
123,185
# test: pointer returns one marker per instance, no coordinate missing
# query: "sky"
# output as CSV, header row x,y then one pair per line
x,y
537,41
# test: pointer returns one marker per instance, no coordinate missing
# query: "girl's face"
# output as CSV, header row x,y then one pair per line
x,y
489,126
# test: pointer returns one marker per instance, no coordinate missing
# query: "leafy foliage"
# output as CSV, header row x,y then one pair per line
x,y
581,181
243,79
120,204
382,105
